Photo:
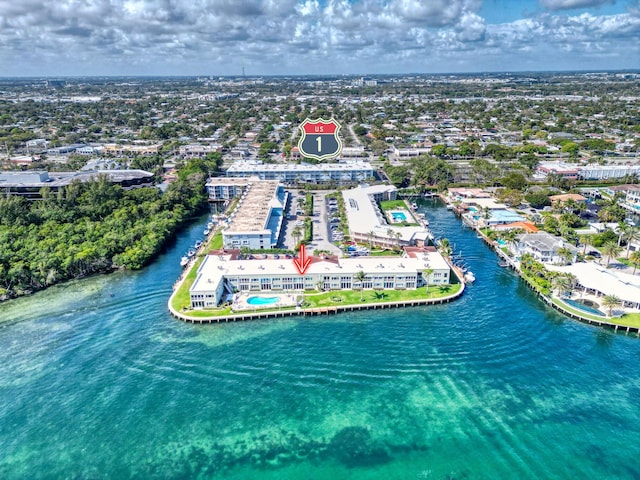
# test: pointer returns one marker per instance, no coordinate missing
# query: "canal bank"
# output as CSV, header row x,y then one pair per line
x,y
388,393
507,261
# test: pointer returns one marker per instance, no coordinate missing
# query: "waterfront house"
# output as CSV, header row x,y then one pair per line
x,y
598,280
545,248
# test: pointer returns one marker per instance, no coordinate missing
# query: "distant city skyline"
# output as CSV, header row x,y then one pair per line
x,y
315,37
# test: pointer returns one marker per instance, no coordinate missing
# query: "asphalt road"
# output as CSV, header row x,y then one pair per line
x,y
321,234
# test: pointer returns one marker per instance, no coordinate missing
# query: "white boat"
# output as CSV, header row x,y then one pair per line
x,y
184,261
414,205
191,252
206,231
469,277
449,206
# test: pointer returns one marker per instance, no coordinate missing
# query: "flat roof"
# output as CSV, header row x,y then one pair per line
x,y
605,280
215,267
254,207
364,216
485,202
252,166
59,179
235,181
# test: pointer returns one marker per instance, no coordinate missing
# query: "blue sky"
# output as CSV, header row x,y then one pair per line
x,y
280,37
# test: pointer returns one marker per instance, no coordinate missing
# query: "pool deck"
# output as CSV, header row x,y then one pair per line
x,y
311,312
241,301
572,312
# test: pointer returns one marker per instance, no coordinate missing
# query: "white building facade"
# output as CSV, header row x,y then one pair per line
x,y
343,173
221,274
257,219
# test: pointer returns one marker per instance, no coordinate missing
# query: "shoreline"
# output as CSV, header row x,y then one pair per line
x,y
313,311
616,327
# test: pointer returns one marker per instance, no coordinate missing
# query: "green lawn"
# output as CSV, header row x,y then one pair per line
x,y
216,242
181,297
348,297
385,253
627,320
314,299
392,205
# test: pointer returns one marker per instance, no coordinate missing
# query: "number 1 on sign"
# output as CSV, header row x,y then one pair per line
x,y
319,140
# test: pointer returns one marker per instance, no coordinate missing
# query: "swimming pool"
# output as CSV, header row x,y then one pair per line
x,y
585,305
399,216
262,300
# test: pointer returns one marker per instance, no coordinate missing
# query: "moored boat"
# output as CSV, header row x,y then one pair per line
x,y
469,277
184,261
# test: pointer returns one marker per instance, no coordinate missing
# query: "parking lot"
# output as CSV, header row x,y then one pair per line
x,y
321,226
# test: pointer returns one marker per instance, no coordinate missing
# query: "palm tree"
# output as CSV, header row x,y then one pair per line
x,y
486,214
297,233
564,283
610,302
445,247
634,259
566,255
391,234
586,240
361,277
623,230
561,284
426,273
632,235
611,249
371,234
398,236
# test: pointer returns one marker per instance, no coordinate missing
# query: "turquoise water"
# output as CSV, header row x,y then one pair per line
x,y
399,216
98,381
262,300
581,306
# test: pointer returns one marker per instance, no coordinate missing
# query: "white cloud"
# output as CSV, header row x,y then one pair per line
x,y
568,4
300,36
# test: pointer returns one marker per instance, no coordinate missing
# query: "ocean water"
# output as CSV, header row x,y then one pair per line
x,y
98,381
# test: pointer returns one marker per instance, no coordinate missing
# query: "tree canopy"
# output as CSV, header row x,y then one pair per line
x,y
90,227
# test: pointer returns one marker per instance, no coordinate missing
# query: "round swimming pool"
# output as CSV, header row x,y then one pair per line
x,y
262,300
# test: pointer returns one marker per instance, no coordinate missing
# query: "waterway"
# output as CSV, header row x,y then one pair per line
x,y
98,381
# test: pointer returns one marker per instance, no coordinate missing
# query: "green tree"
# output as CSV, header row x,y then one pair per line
x,y
514,181
634,259
586,240
610,302
611,250
538,199
361,277
426,273
631,236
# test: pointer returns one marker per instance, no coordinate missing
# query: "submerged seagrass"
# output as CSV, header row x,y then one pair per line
x,y
98,381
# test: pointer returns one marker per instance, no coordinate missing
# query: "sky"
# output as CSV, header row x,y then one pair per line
x,y
315,37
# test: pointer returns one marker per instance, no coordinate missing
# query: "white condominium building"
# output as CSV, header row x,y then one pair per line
x,y
293,173
221,274
367,223
257,219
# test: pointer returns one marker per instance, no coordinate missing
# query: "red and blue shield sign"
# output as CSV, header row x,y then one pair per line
x,y
320,139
